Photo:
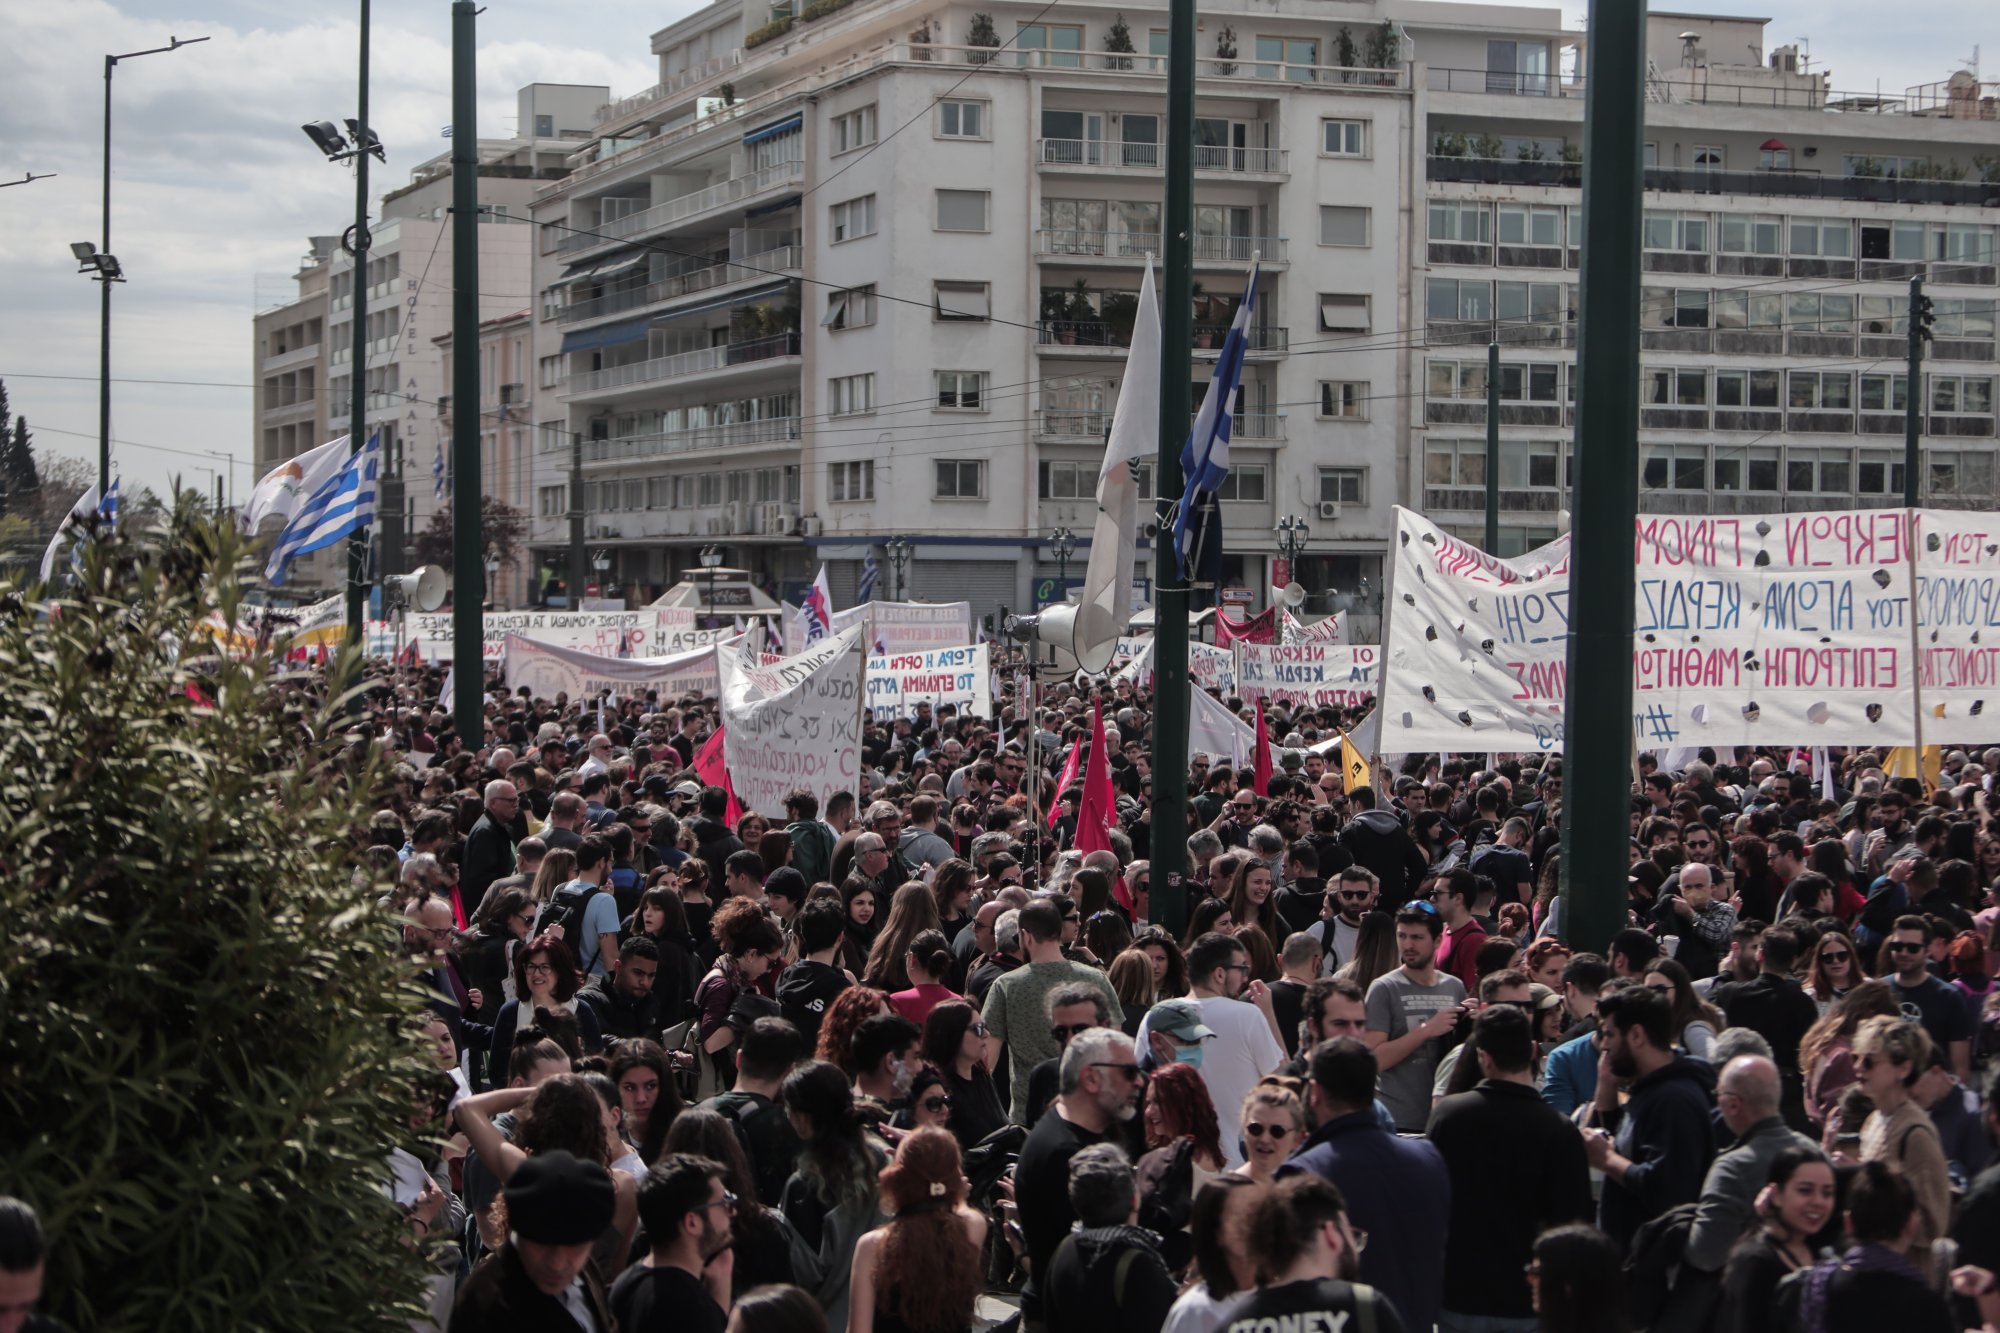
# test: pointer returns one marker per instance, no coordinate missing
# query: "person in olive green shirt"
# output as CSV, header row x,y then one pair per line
x,y
1017,1006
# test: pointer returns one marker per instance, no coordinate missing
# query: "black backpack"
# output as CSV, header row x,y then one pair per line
x,y
1667,1294
567,909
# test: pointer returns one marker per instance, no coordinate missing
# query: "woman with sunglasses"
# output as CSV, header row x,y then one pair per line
x,y
1826,1052
957,1045
1832,970
1274,1124
1891,1053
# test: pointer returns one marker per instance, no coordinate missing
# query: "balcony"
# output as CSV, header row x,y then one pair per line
x,y
637,448
295,356
1064,243
682,364
1096,155
723,194
1090,338
784,260
282,407
1064,425
1806,185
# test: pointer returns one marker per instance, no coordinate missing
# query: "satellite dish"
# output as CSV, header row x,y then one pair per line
x,y
1294,594
421,591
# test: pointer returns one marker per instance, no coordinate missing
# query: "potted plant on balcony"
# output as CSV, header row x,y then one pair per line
x,y
981,34
1120,312
1080,310
1384,48
1225,51
1118,41
1345,53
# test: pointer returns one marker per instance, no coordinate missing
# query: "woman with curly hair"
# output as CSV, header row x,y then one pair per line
x,y
563,1113
1545,961
920,1273
911,912
760,1236
1184,1145
546,979
853,1007
1170,980
750,943
831,1199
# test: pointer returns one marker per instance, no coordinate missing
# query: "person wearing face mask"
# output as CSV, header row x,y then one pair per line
x,y
1246,1046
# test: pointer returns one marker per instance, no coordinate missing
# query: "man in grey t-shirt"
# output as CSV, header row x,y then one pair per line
x,y
1411,1010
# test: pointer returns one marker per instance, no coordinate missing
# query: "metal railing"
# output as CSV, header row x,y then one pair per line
x,y
1114,156
1062,242
1683,180
629,448
683,364
771,262
659,92
1781,91
1061,423
718,195
1207,337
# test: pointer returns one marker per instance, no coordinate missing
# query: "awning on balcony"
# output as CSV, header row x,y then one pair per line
x,y
725,302
602,269
790,124
606,335
779,206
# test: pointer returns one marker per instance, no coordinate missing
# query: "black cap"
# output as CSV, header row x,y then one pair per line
x,y
788,883
555,1199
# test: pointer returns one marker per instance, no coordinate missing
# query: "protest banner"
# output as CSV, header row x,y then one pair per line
x,y
1312,675
653,631
898,682
1827,628
893,627
547,669
1331,629
796,723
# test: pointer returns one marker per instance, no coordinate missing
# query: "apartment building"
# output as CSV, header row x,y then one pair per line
x,y
867,271
289,346
506,419
407,281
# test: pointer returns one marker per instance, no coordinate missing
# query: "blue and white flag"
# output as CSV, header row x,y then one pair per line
x,y
870,571
1205,456
343,506
437,471
108,509
85,506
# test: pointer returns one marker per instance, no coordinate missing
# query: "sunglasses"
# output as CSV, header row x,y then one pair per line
x,y
1257,1131
1830,957
1905,946
1063,1032
937,1105
1420,905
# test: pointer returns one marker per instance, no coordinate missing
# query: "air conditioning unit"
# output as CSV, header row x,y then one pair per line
x,y
1329,509
810,526
772,520
735,517
788,520
712,526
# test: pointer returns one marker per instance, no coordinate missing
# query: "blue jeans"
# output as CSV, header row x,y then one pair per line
x,y
1450,1322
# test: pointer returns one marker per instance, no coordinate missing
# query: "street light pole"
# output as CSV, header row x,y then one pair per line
x,y
1293,534
105,279
899,556
711,559
1063,542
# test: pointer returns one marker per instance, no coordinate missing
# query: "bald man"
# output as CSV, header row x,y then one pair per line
x,y
1747,1097
489,847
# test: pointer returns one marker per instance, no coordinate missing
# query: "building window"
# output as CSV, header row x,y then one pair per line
x,y
1751,469
1462,224
960,479
1820,390
1343,400
553,232
551,371
1746,388
1970,394
850,395
1061,45
853,218
853,308
1774,159
708,489
1342,225
1298,54
1343,485
847,483
1244,482
1748,234
965,301
1523,224
962,210
1676,231
961,390
1343,138
1676,467
1068,481
1827,238
552,501
1879,474
961,120
1676,388
1343,313
854,130
1708,157
1456,299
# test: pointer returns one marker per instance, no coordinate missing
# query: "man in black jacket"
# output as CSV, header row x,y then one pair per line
x,y
557,1207
1108,1273
1378,840
489,847
1777,1009
1654,1150
623,1000
1540,1179
713,842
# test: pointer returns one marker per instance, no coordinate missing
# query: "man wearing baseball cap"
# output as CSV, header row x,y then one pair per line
x,y
542,1280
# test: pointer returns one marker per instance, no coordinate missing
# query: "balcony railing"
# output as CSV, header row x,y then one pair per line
x,y
288,407
711,68
1065,242
1062,424
1114,156
718,195
1678,180
1092,333
682,364
632,448
784,260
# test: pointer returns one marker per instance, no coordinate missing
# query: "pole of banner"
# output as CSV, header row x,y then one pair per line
x,y
1170,600
357,413
1910,539
468,570
1913,403
1493,447
1597,719
578,574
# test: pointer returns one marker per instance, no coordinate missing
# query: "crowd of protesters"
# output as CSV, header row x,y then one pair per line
x,y
908,1062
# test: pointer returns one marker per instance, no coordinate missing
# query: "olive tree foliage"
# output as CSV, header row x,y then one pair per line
x,y
206,1047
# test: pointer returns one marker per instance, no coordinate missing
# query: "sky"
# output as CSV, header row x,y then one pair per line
x,y
215,188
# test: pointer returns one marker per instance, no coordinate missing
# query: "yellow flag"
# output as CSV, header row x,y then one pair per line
x,y
1355,770
1902,762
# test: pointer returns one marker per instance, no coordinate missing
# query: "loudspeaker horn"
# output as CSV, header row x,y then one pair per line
x,y
1294,594
421,591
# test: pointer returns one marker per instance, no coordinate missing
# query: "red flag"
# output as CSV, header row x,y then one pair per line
x,y
1100,800
1260,628
1261,765
1068,776
710,768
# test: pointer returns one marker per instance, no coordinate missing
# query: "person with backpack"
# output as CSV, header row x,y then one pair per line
x,y
1309,1255
1108,1272
585,913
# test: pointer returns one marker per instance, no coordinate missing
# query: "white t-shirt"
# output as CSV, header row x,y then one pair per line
x,y
1243,1050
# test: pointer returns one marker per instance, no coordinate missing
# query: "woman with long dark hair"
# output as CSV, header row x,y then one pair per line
x,y
760,1236
1170,980
486,954
831,1198
1210,914
662,919
1131,976
951,886
955,1044
1374,950
1695,1022
1750,860
857,940
1793,1207
912,911
648,1096
926,962
920,1273
1253,898
1833,968
1577,1281
545,978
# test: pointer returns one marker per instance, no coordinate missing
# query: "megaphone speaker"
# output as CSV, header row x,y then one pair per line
x,y
421,591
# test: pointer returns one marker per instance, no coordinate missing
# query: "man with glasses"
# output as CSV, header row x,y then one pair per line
x,y
1074,1007
1926,999
489,847
684,1284
597,758
1238,1010
1411,1010
1378,840
1100,1084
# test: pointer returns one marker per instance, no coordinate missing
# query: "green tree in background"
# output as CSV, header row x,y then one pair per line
x,y
205,1019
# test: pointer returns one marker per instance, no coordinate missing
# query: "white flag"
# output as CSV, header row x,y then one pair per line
x,y
288,485
1105,606
85,506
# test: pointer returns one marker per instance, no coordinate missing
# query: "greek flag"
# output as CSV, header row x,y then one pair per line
x,y
1205,456
344,505
870,570
437,471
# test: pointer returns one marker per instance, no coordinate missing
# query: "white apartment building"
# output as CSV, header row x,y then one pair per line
x,y
869,274
408,282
